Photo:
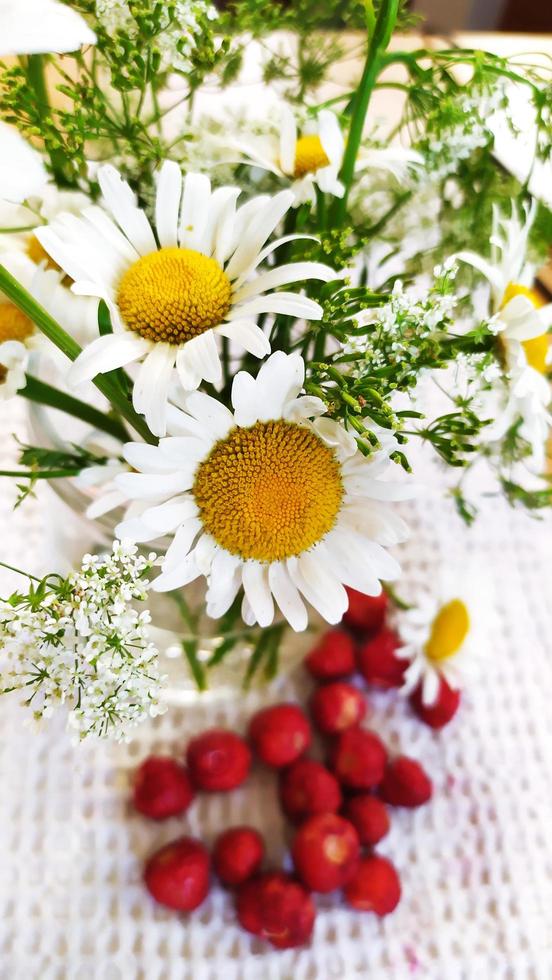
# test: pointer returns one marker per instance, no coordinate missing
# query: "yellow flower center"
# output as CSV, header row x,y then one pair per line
x,y
536,349
448,631
37,253
310,155
14,325
269,491
174,294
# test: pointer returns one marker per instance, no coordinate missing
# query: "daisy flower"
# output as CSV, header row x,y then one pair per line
x,y
522,322
40,27
521,318
172,294
310,159
442,636
19,337
272,497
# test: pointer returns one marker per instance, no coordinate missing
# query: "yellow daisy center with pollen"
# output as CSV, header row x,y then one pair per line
x,y
536,349
310,155
173,295
270,491
14,325
448,631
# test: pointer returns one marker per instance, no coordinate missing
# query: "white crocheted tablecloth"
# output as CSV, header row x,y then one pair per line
x,y
476,864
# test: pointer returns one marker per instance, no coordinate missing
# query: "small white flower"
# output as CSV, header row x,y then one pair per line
x,y
272,497
443,634
170,303
40,27
86,646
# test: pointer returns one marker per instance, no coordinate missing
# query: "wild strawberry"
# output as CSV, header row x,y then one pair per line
x,y
277,908
161,788
379,661
237,855
218,760
405,783
325,852
369,817
307,787
336,707
280,734
444,708
375,887
333,657
366,613
178,874
358,759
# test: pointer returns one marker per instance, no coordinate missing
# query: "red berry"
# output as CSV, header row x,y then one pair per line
x,y
442,711
237,855
366,612
378,661
376,886
325,852
178,874
218,760
358,759
280,734
405,783
336,707
307,787
161,788
333,657
277,908
369,817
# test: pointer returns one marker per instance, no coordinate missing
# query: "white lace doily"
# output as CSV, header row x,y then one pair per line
x,y
476,864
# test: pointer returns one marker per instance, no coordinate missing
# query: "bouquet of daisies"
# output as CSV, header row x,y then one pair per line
x,y
253,308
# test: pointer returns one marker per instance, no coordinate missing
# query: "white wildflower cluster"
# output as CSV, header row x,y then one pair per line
x,y
446,148
80,642
397,329
181,26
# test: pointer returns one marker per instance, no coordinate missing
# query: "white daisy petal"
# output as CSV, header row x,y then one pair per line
x,y
244,399
151,387
289,304
255,584
166,517
247,613
213,415
190,377
148,486
288,140
184,573
272,247
279,380
106,503
167,204
195,210
261,228
105,354
248,334
181,544
319,587
282,275
287,597
203,354
122,203
146,458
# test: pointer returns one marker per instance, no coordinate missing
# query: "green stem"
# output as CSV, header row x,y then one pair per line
x,y
37,81
378,43
65,343
19,571
41,474
45,394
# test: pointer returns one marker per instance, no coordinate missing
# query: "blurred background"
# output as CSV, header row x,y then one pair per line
x,y
532,16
